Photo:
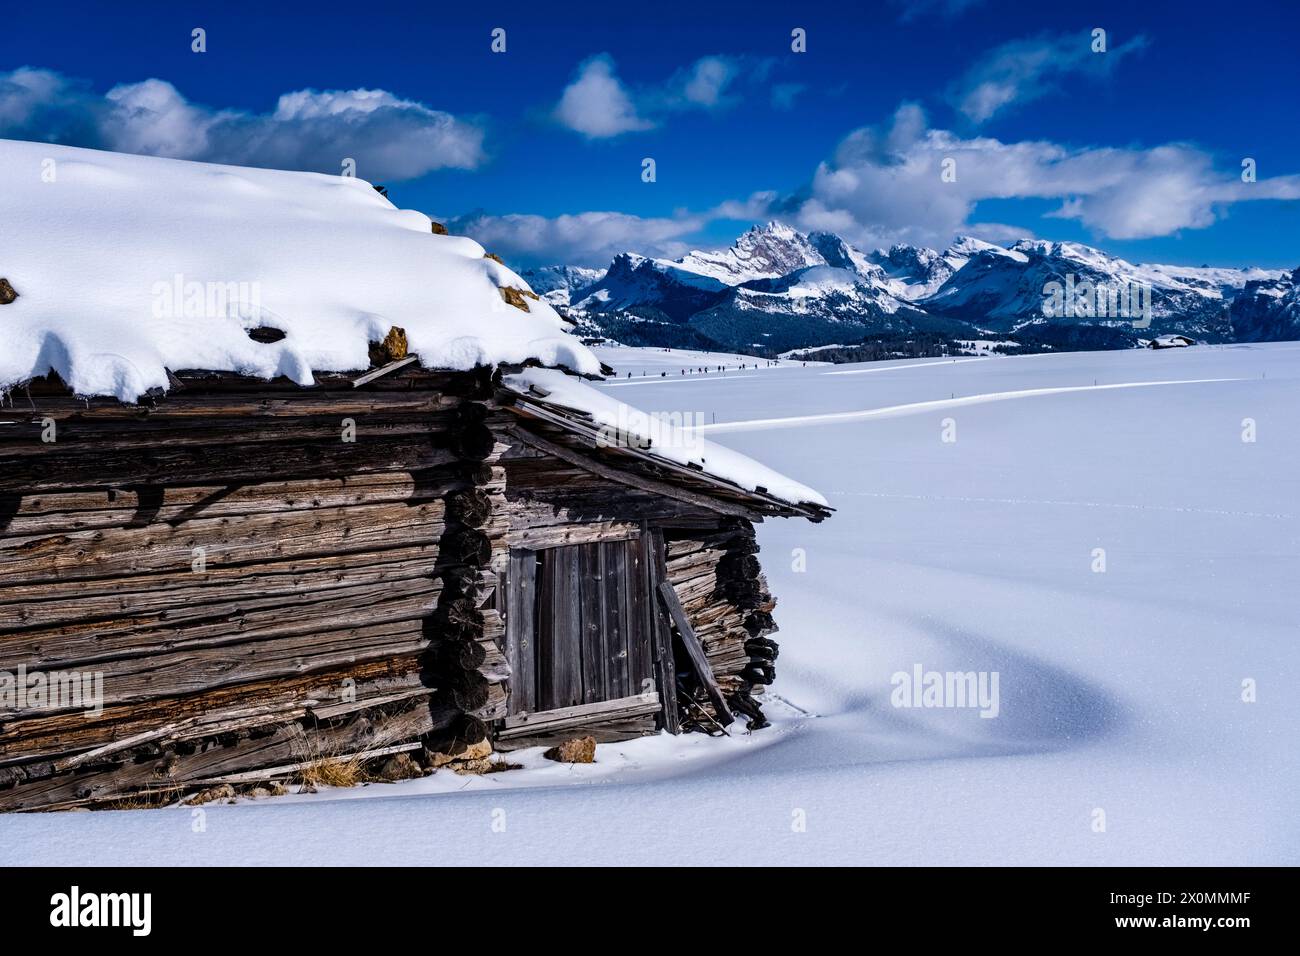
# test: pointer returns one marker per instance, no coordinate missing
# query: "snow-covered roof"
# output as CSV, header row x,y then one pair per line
x,y
661,437
127,266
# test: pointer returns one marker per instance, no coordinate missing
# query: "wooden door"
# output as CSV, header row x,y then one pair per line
x,y
579,625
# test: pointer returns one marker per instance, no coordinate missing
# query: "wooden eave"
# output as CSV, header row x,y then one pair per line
x,y
577,431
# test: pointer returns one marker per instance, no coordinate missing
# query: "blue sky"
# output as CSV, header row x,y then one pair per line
x,y
538,151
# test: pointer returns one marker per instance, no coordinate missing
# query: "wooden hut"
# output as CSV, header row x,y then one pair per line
x,y
240,576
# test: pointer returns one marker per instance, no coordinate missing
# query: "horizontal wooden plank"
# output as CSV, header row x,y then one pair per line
x,y
190,671
290,744
556,536
548,720
79,435
224,463
53,734
196,410
61,513
50,603
200,627
604,731
86,554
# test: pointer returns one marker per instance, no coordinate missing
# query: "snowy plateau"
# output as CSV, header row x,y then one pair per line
x,y
1115,534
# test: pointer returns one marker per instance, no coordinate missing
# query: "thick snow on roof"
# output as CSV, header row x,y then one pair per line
x,y
669,439
126,266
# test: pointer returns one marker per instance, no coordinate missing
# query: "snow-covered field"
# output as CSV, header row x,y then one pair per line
x,y
1120,691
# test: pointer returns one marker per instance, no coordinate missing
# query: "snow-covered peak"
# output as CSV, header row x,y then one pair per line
x,y
628,260
127,266
819,280
1216,283
634,281
921,257
1071,252
968,246
772,230
963,248
840,254
549,278
1267,309
559,285
1212,278
764,252
913,272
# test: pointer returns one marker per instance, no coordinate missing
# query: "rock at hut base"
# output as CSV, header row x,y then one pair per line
x,y
577,750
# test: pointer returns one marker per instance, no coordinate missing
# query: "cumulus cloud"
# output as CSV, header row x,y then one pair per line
x,y
597,104
884,184
759,205
587,238
389,138
705,83
45,105
593,238
1024,70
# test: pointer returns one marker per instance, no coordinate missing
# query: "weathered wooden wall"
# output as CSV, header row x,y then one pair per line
x,y
338,605
721,586
711,557
258,593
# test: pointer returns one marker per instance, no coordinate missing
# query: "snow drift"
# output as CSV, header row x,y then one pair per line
x,y
127,266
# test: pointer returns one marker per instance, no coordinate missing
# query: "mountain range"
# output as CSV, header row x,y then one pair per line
x,y
777,289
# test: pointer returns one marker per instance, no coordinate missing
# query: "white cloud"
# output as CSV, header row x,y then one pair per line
x,y
596,104
1024,70
884,185
153,118
759,205
390,138
45,105
705,83
587,238
594,238
599,105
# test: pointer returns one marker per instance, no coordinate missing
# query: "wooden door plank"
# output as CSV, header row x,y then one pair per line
x,y
514,623
521,620
657,629
695,651
544,641
618,622
607,606
634,587
592,586
640,645
566,642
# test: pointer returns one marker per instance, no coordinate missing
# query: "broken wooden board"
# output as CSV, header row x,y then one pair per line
x,y
695,651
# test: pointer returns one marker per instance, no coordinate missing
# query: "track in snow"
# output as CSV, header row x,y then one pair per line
x,y
915,408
